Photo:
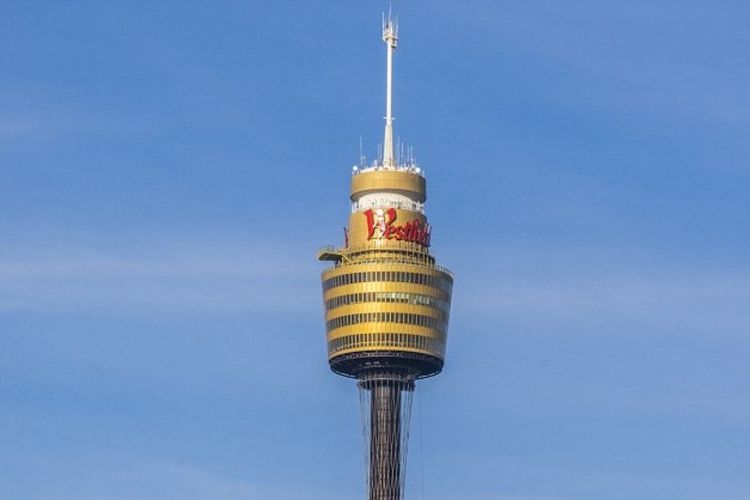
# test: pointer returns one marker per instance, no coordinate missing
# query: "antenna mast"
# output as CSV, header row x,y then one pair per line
x,y
390,37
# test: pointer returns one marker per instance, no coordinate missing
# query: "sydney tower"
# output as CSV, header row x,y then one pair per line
x,y
387,302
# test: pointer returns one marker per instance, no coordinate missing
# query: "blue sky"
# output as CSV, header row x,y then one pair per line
x,y
168,170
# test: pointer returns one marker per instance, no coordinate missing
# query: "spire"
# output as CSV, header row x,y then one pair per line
x,y
390,37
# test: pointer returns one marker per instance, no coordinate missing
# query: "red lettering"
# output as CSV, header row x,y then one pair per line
x,y
406,231
414,231
391,216
370,223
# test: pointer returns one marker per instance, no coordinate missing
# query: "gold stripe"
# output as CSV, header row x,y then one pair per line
x,y
373,328
332,272
367,307
387,286
389,180
398,342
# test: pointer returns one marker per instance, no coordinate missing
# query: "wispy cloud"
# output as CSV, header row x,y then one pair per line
x,y
695,302
185,278
572,480
637,58
60,123
590,287
118,477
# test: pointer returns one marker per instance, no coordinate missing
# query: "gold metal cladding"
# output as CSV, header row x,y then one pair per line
x,y
408,183
371,332
382,309
426,284
431,347
374,328
387,342
359,230
437,271
390,297
366,288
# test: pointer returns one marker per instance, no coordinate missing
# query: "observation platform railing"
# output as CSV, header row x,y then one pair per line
x,y
390,251
413,206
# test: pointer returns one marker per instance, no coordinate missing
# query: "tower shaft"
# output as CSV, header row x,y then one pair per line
x,y
386,396
385,442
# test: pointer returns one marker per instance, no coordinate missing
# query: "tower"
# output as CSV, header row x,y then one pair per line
x,y
386,301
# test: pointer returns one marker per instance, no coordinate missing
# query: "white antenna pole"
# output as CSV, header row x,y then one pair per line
x,y
390,37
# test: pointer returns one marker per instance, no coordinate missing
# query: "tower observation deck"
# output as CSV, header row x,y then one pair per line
x,y
387,302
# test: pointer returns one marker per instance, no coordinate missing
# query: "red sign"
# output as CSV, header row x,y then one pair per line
x,y
381,225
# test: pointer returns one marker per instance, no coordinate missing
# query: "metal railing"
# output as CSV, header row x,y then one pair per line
x,y
411,167
413,206
401,252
